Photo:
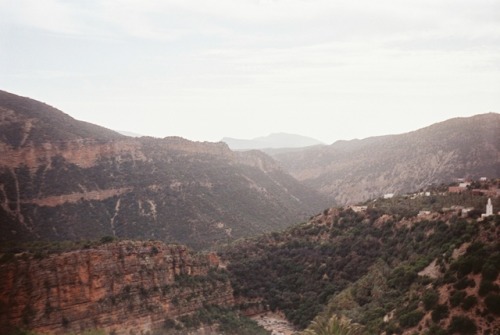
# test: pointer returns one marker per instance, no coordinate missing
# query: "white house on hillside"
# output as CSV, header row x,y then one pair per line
x,y
489,209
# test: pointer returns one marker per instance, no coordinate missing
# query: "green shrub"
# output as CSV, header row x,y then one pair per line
x,y
392,328
440,312
490,271
18,331
462,325
492,301
190,321
402,277
435,330
107,239
463,283
457,298
430,299
463,266
487,286
410,319
469,302
7,257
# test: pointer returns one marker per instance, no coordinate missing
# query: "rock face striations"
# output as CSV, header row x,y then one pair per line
x,y
116,287
358,170
65,179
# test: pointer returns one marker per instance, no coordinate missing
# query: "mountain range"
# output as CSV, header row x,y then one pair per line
x,y
358,170
425,263
276,140
66,179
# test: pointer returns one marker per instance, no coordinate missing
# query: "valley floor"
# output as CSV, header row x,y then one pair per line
x,y
275,323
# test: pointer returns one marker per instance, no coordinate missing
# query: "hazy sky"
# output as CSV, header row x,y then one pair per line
x,y
204,69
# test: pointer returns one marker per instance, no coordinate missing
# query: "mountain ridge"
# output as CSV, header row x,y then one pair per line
x,y
42,122
271,141
86,181
356,170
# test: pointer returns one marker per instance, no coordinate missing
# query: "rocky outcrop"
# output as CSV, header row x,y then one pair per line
x,y
82,153
117,287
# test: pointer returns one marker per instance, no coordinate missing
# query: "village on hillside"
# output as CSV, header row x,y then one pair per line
x,y
482,187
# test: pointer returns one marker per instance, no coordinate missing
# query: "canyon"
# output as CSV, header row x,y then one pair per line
x,y
66,184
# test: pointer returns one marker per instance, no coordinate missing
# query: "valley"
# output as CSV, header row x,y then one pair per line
x,y
102,233
400,265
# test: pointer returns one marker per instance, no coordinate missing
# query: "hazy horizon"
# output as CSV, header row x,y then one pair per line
x,y
204,70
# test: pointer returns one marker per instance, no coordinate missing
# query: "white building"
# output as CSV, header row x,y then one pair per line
x,y
489,208
358,209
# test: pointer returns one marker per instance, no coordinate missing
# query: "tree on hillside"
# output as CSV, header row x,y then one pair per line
x,y
332,326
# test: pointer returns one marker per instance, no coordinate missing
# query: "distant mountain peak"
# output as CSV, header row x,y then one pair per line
x,y
272,141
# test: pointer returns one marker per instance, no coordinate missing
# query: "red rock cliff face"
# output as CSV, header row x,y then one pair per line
x,y
83,153
121,287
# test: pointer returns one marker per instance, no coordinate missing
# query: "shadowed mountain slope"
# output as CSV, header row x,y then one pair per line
x,y
357,170
65,179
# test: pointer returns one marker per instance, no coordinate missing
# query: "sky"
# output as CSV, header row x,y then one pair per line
x,y
207,69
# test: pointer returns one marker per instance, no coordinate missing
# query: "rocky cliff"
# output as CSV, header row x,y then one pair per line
x,y
119,287
65,179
